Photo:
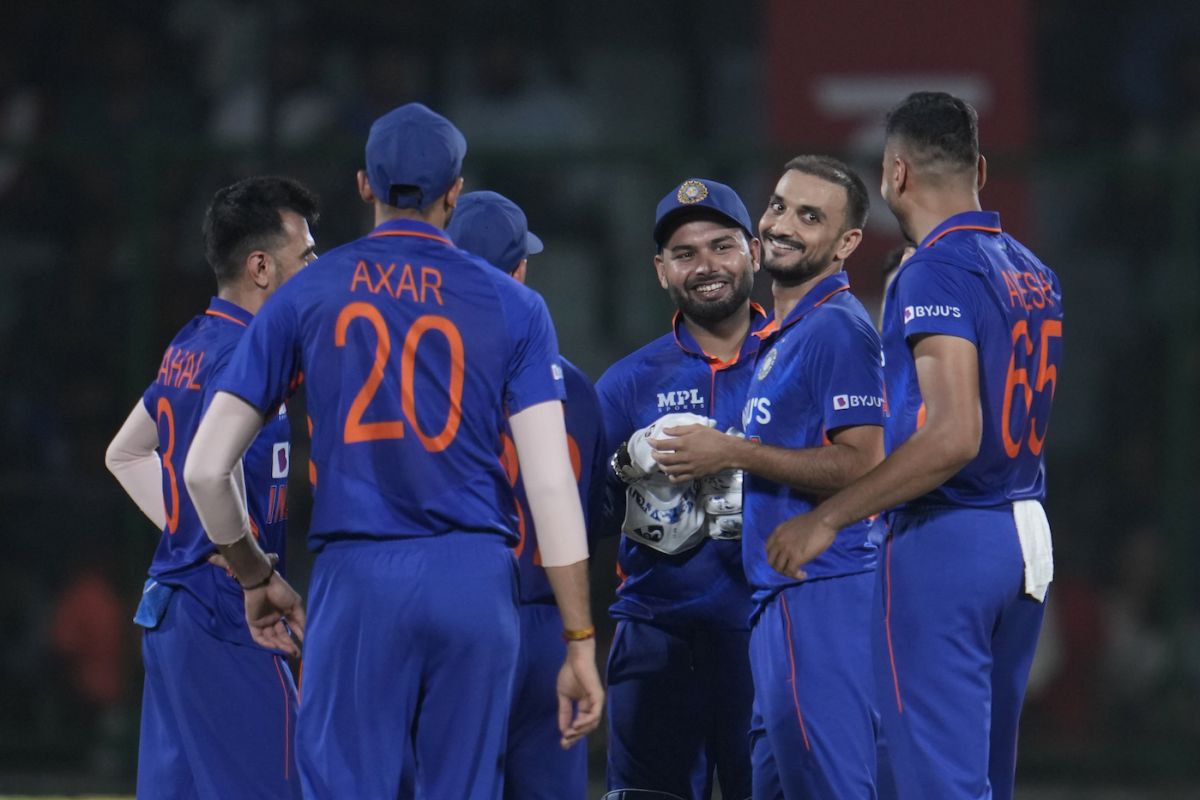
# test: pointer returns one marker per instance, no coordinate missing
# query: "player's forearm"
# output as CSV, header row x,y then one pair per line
x,y
813,470
920,465
225,432
540,436
133,460
570,585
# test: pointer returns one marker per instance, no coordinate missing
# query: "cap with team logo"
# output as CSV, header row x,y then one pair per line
x,y
699,197
414,156
494,228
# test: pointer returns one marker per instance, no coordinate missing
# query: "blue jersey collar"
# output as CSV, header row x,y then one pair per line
x,y
223,309
825,289
986,221
410,227
688,344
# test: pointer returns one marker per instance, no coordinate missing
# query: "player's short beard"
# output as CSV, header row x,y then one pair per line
x,y
807,266
710,312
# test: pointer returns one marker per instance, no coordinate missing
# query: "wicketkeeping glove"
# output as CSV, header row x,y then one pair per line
x,y
634,459
663,515
721,498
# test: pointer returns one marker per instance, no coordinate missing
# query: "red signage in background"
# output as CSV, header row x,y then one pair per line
x,y
834,70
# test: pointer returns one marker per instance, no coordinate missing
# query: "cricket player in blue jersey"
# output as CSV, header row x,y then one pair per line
x,y
680,690
414,353
494,228
813,422
218,710
973,343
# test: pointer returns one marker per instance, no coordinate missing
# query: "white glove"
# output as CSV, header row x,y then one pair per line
x,y
663,515
721,498
635,459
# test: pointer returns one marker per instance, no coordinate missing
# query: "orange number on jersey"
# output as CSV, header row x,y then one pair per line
x,y
358,431
172,508
408,365
1047,373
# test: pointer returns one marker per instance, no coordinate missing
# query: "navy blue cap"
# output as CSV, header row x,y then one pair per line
x,y
413,148
494,228
696,193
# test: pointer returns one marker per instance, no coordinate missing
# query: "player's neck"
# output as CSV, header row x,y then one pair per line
x,y
722,339
250,299
936,209
787,296
432,216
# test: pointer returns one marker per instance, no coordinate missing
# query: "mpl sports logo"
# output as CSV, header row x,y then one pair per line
x,y
680,398
919,312
841,402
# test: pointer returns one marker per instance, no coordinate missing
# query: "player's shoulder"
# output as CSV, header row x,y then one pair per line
x,y
653,356
1025,260
844,312
946,267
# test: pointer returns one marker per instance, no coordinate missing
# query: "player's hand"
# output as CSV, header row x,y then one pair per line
x,y
690,452
795,542
580,694
275,615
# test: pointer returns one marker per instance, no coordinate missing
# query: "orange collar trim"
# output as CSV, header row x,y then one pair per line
x,y
983,228
223,315
418,234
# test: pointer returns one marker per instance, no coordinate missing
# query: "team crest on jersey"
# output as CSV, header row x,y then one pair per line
x,y
281,457
691,192
556,372
768,362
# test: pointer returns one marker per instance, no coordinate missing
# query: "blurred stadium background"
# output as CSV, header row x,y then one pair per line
x,y
118,120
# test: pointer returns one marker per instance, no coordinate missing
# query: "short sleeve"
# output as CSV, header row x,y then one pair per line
x,y
933,298
263,366
534,374
847,368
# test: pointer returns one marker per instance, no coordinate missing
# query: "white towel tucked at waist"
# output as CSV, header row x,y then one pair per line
x,y
1033,529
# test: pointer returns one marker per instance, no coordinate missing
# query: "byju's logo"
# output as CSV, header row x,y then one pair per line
x,y
843,401
917,312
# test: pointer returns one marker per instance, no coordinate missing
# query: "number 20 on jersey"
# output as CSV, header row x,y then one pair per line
x,y
355,429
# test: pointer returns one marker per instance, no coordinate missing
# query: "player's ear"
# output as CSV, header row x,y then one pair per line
x,y
899,174
258,268
660,267
755,252
980,173
848,244
519,272
452,194
364,187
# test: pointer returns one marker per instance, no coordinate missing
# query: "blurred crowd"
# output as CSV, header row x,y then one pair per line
x,y
119,120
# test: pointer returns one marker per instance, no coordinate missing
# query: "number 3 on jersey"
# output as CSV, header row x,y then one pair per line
x,y
358,431
165,417
1019,366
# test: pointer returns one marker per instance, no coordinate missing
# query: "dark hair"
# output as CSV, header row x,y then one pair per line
x,y
938,128
828,168
245,217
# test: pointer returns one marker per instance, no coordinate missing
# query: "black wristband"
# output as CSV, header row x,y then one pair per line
x,y
260,584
